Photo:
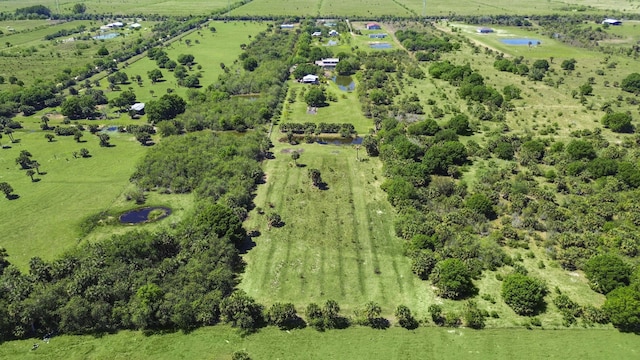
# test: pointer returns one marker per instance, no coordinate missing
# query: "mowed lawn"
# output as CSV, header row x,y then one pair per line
x,y
44,220
220,342
345,110
336,243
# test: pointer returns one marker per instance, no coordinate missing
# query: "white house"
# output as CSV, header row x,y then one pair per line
x,y
287,26
317,33
135,26
333,33
328,62
310,79
611,22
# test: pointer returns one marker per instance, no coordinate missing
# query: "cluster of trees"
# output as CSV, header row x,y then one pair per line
x,y
180,68
471,83
221,109
445,222
422,41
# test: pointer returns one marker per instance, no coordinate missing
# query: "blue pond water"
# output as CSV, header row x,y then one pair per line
x,y
520,41
106,36
331,43
142,215
345,83
382,45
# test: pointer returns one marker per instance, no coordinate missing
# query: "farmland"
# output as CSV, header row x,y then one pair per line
x,y
476,173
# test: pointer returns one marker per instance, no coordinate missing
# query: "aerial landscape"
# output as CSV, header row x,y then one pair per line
x,y
319,179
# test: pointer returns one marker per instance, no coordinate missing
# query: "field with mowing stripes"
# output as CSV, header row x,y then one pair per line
x,y
175,7
336,243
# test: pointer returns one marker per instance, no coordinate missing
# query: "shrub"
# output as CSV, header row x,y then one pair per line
x,y
607,272
631,83
405,318
481,204
525,295
453,279
618,122
580,149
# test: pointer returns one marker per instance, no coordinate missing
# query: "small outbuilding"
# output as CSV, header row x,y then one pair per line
x,y
373,26
286,26
135,26
614,22
138,108
317,33
333,33
484,30
310,79
377,36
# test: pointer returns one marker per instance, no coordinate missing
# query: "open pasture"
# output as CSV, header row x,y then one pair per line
x,y
175,7
220,342
362,8
336,243
209,49
44,221
30,57
279,7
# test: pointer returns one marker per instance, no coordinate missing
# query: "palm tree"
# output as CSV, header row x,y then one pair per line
x,y
6,189
9,133
295,156
36,165
45,120
30,174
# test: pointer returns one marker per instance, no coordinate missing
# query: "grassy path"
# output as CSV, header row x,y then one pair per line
x,y
220,342
337,243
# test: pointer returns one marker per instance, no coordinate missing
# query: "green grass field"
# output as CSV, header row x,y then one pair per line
x,y
209,49
174,7
44,220
220,342
30,57
337,243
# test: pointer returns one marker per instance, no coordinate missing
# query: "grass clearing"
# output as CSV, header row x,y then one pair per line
x,y
278,7
220,342
336,243
345,110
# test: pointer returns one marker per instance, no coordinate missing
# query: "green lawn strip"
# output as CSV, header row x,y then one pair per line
x,y
363,7
333,246
220,342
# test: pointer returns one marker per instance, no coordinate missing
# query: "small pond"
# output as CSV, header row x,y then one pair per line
x,y
106,36
380,45
331,43
520,41
145,215
339,141
345,83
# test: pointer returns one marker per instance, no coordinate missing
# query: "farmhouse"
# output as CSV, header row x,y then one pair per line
x,y
611,22
310,79
484,30
333,33
373,26
317,33
377,36
328,62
